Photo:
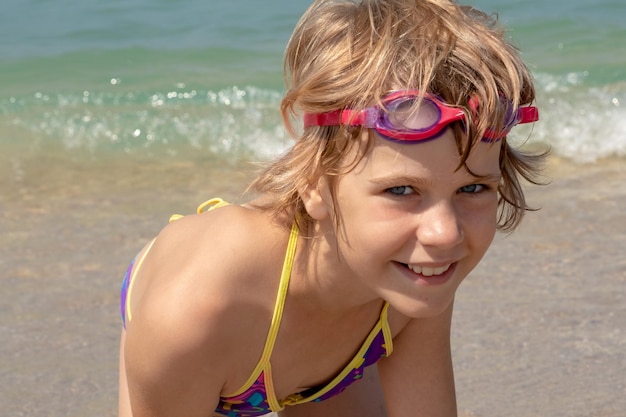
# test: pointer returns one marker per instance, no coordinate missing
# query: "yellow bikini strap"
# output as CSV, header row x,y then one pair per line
x,y
211,204
282,294
264,362
386,329
206,206
131,282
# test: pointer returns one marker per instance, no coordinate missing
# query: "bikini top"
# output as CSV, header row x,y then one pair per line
x,y
257,397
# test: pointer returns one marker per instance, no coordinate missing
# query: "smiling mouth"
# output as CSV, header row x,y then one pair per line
x,y
428,271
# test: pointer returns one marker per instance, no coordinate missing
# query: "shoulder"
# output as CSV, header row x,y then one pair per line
x,y
221,245
208,280
226,224
205,265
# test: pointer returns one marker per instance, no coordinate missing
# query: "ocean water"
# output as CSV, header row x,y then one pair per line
x,y
166,79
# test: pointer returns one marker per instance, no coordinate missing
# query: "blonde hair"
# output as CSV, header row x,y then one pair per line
x,y
350,54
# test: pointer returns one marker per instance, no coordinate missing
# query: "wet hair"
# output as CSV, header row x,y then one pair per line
x,y
350,54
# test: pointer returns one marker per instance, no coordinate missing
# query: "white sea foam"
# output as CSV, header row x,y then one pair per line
x,y
579,122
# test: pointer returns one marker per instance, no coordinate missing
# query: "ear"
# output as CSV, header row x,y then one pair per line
x,y
317,199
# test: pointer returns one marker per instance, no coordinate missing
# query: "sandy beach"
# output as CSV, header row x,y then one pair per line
x,y
540,325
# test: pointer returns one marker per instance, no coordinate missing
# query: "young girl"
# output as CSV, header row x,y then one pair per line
x,y
356,240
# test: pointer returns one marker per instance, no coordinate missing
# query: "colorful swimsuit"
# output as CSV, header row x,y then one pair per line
x,y
256,397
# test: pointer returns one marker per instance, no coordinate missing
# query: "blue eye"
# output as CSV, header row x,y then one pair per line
x,y
401,190
473,188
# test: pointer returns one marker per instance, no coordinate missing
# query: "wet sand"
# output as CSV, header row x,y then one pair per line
x,y
540,326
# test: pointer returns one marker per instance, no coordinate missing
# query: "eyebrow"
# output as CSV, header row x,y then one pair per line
x,y
400,179
488,177
408,180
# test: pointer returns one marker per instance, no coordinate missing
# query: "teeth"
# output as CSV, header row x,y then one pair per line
x,y
427,271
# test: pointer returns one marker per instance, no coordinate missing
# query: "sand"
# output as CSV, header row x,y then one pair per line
x,y
539,330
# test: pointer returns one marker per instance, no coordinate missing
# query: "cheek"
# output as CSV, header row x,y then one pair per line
x,y
480,219
484,235
371,230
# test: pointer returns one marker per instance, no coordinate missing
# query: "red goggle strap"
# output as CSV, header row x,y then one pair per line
x,y
528,114
336,118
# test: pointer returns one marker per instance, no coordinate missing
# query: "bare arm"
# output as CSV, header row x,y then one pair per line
x,y
172,364
169,374
418,378
190,308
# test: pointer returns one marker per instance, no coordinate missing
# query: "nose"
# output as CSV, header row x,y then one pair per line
x,y
440,226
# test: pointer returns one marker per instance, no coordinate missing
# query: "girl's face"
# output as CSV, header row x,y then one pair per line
x,y
411,225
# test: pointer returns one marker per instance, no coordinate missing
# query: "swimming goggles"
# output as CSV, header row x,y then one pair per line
x,y
399,119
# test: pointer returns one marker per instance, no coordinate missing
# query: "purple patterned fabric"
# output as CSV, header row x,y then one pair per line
x,y
253,402
124,291
376,351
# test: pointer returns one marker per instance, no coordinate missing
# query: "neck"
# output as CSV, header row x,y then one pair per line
x,y
322,283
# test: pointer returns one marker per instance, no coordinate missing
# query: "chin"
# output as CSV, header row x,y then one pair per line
x,y
419,308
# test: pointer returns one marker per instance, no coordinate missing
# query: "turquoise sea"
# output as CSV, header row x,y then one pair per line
x,y
164,78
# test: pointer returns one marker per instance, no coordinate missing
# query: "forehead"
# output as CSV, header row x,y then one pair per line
x,y
437,158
